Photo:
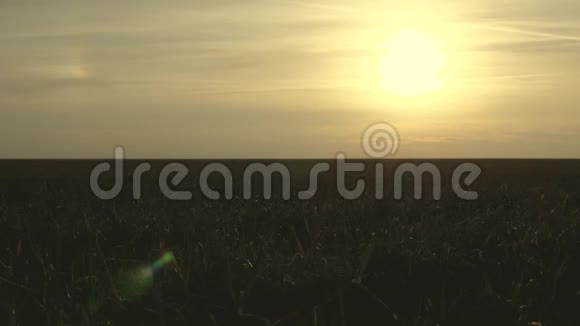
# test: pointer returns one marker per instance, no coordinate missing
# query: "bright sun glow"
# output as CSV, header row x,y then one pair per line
x,y
412,64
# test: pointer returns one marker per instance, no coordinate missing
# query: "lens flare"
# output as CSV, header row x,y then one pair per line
x,y
138,281
165,260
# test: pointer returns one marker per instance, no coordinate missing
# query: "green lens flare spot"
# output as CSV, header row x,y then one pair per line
x,y
165,260
138,281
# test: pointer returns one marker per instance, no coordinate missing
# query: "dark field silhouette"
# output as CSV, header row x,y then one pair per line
x,y
511,257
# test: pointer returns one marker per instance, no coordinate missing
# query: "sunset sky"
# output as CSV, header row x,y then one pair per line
x,y
288,79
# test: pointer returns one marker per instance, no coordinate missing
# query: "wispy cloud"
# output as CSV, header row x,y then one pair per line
x,y
427,139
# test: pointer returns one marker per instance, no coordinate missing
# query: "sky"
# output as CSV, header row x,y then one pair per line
x,y
284,78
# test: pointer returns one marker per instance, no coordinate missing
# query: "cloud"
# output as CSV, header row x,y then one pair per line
x,y
532,46
541,34
427,139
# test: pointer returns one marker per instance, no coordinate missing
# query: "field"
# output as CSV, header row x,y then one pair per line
x,y
511,257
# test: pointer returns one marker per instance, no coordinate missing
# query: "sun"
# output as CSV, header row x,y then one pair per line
x,y
412,64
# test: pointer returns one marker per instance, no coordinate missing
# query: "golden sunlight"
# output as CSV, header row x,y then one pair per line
x,y
412,64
